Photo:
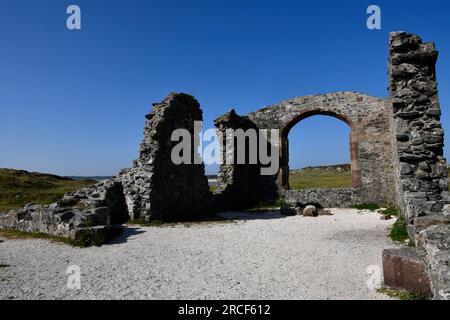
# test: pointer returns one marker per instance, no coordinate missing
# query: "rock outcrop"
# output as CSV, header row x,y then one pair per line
x,y
86,216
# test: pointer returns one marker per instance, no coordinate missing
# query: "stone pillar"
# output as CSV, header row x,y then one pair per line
x,y
283,175
157,188
239,185
419,138
355,167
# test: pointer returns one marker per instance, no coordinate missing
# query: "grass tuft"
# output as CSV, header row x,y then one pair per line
x,y
268,206
391,211
367,206
20,235
399,230
81,243
401,294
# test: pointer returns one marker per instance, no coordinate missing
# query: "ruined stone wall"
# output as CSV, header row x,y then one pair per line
x,y
421,178
420,168
86,216
370,140
239,185
156,188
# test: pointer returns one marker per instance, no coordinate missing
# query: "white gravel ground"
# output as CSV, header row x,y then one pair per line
x,y
266,258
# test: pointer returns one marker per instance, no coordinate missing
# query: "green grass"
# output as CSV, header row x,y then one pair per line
x,y
18,188
319,179
82,243
322,179
367,206
16,235
391,211
401,294
399,230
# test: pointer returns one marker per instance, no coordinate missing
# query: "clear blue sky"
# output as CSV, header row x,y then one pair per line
x,y
73,102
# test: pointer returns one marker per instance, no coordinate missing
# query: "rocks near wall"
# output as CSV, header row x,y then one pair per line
x,y
85,216
328,198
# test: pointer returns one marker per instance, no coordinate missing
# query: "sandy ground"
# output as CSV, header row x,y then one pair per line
x,y
252,257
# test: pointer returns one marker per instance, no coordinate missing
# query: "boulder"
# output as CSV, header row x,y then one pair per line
x,y
405,269
435,241
310,211
78,221
325,212
90,236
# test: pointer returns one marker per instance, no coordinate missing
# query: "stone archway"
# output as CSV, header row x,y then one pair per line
x,y
283,174
369,119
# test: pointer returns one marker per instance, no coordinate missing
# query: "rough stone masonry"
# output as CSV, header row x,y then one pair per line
x,y
420,167
396,148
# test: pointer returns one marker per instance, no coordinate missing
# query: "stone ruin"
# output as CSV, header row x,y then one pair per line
x,y
396,147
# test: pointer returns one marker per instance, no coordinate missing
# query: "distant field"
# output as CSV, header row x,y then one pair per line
x,y
312,178
17,188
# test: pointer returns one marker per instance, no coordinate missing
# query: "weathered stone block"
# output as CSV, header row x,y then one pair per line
x,y
436,242
405,269
90,236
422,223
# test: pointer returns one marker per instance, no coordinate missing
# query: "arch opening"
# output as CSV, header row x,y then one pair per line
x,y
289,158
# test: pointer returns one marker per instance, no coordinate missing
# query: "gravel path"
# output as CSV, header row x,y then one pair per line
x,y
266,258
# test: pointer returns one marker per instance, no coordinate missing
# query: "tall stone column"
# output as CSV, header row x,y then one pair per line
x,y
283,175
157,188
238,183
419,137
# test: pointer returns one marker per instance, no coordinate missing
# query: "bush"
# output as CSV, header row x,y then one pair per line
x,y
399,231
401,294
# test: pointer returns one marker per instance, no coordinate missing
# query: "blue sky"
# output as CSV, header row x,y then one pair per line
x,y
73,102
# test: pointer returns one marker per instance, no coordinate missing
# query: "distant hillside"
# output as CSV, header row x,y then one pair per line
x,y
333,176
96,178
19,187
330,168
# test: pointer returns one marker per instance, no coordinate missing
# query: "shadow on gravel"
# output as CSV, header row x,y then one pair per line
x,y
125,235
259,215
